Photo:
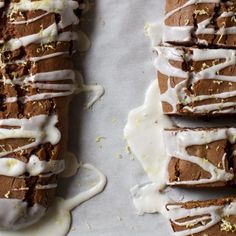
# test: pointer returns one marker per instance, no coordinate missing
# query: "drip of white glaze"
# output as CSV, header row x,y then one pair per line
x,y
13,167
143,133
147,123
149,199
58,219
97,90
154,32
84,196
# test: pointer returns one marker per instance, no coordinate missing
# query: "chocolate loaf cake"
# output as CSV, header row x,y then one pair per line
x,y
36,86
203,23
204,218
200,157
194,81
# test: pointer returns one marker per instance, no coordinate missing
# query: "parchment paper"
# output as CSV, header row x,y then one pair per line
x,y
120,59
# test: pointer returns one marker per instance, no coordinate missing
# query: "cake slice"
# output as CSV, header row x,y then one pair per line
x,y
200,157
204,218
36,85
197,82
203,23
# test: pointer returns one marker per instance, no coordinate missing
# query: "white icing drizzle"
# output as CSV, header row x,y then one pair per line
x,y
30,20
47,186
97,90
176,143
177,95
75,85
211,215
39,81
41,129
58,219
13,167
84,196
184,33
178,33
46,34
